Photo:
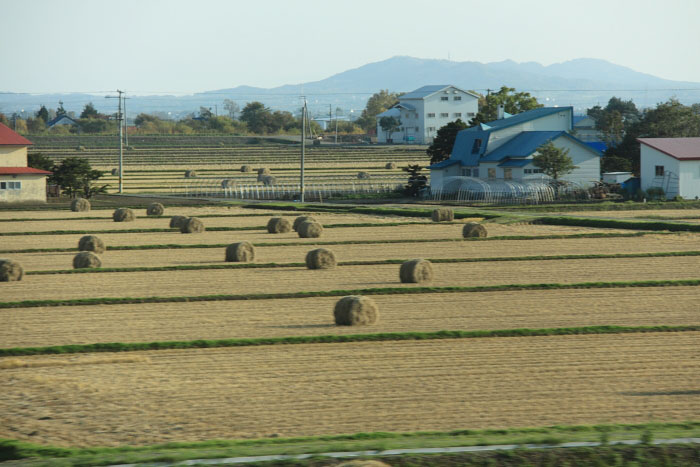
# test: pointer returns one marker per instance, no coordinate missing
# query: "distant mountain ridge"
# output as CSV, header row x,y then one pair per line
x,y
582,82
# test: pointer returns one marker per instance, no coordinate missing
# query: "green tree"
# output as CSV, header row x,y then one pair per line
x,y
43,114
38,160
416,181
553,161
389,125
89,111
35,125
4,120
60,110
613,120
256,116
613,163
513,102
205,113
75,176
378,103
93,125
441,148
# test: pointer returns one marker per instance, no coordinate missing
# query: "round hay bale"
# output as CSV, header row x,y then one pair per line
x,y
269,180
363,175
390,165
80,205
91,243
310,230
474,229
86,259
443,215
10,271
355,310
246,168
192,225
190,174
300,219
262,172
176,221
320,258
278,225
115,172
228,183
416,271
241,252
155,209
123,215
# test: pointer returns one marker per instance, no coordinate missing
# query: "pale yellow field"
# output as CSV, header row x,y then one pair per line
x,y
640,213
297,390
376,251
250,281
29,327
426,231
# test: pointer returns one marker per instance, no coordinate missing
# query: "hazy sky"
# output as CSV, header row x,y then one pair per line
x,y
185,46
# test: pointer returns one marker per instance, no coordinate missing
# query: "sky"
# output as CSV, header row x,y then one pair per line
x,y
185,46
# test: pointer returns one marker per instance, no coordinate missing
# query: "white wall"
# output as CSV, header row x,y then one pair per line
x,y
560,121
649,159
588,163
33,188
690,179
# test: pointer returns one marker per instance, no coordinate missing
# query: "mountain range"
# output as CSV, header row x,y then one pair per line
x,y
581,82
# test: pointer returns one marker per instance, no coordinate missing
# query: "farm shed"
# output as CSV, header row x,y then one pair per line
x,y
18,182
672,164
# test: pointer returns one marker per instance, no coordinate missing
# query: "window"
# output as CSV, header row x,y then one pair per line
x,y
659,169
507,174
431,115
3,185
431,128
10,185
415,115
417,128
457,114
492,174
476,146
444,114
458,98
475,172
470,114
466,172
444,98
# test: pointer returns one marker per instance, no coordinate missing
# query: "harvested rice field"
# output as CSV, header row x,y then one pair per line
x,y
295,279
189,395
536,309
376,251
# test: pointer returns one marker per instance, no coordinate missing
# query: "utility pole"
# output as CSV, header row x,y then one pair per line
x,y
121,139
336,126
126,125
303,148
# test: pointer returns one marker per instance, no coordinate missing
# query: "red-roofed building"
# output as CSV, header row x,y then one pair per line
x,y
672,164
18,182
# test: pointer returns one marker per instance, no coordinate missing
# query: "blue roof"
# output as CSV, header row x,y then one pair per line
x,y
515,163
443,164
522,145
406,106
578,118
464,144
523,117
597,145
425,91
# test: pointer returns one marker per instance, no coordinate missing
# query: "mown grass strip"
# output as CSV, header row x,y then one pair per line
x,y
168,246
105,218
178,451
197,267
340,293
333,339
617,224
215,229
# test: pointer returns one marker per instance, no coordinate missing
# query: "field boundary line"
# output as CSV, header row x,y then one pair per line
x,y
335,339
616,224
167,246
341,293
202,267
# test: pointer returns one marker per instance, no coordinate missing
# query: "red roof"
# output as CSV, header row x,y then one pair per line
x,y
683,149
22,171
10,138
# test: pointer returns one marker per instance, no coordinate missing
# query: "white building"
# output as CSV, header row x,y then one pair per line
x,y
424,111
17,181
672,164
503,149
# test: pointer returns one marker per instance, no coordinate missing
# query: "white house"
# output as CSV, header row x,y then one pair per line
x,y
17,181
503,149
424,111
672,164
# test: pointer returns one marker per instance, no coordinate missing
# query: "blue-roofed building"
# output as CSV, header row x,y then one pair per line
x,y
424,111
503,149
584,129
